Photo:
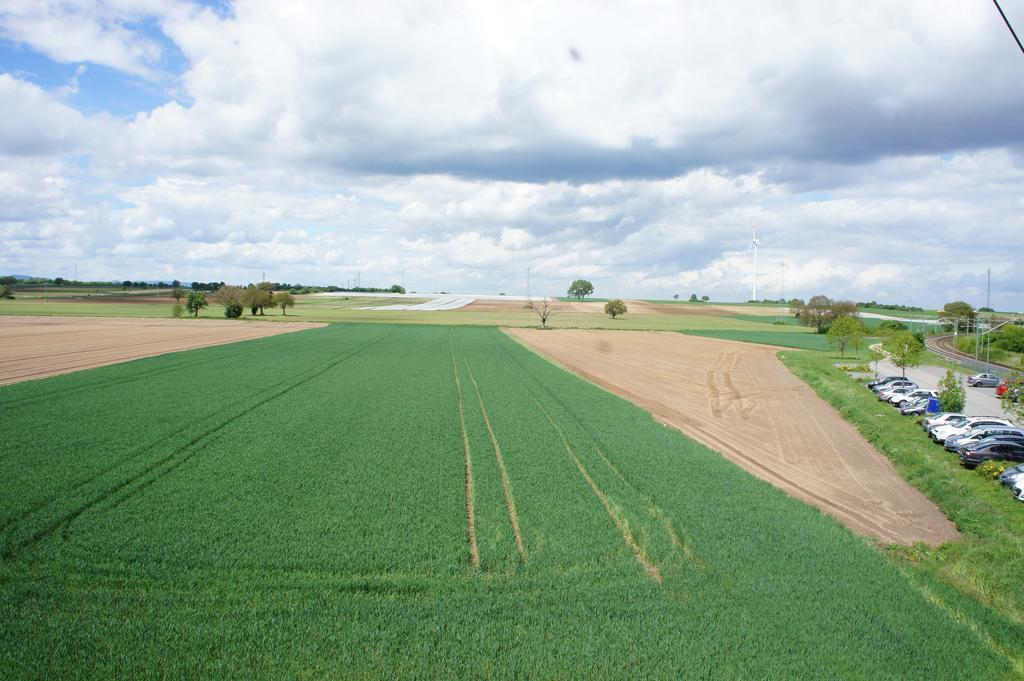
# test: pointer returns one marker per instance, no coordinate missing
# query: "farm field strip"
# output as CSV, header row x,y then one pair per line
x,y
320,529
37,347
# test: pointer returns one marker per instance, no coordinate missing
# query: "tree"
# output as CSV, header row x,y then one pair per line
x,y
816,312
675,296
959,314
952,396
175,284
544,308
846,332
7,292
177,311
258,296
231,298
59,281
904,350
284,301
704,299
395,288
876,357
842,308
177,293
196,302
580,289
615,308
693,298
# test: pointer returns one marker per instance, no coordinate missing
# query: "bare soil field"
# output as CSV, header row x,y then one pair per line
x,y
740,400
37,347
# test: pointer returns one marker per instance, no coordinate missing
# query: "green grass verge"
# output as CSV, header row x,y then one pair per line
x,y
988,562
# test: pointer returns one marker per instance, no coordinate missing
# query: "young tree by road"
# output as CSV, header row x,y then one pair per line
x,y
177,293
284,300
904,350
846,332
952,396
580,289
614,308
196,302
1013,398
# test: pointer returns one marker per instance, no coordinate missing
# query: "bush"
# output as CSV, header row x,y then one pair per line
x,y
233,310
952,396
990,470
177,311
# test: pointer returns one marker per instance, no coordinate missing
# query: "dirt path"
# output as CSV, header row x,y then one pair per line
x,y
740,400
38,347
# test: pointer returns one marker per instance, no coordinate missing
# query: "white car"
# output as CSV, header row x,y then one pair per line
x,y
939,419
911,396
1018,490
887,395
961,426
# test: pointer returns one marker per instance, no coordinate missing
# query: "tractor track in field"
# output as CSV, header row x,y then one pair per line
x,y
649,567
510,501
474,551
158,469
676,536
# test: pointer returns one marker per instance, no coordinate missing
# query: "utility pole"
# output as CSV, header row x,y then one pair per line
x,y
988,290
403,275
528,284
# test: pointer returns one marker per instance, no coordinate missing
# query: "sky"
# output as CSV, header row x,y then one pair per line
x,y
876,147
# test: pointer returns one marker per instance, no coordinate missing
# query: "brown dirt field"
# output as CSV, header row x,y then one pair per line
x,y
37,347
740,400
641,307
507,305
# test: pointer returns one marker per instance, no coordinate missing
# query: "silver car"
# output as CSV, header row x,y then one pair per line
x,y
983,381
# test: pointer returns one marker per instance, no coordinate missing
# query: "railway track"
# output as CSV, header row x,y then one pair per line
x,y
943,346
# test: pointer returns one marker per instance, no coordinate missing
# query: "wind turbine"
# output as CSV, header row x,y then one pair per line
x,y
754,245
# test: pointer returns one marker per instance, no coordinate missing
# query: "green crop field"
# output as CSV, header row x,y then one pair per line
x,y
387,501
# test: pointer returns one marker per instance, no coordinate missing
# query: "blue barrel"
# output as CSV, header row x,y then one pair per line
x,y
933,405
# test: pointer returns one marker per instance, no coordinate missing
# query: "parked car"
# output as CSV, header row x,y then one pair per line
x,y
961,426
1012,475
939,419
1018,491
916,407
887,395
884,381
901,383
991,450
911,396
955,443
983,381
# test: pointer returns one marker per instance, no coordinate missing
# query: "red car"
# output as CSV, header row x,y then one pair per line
x,y
1001,388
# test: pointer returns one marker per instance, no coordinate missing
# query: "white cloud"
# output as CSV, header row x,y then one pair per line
x,y
876,147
